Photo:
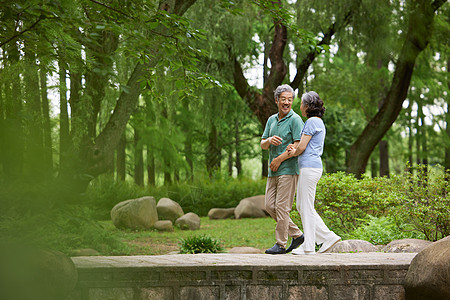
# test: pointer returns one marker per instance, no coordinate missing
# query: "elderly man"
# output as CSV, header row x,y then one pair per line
x,y
282,129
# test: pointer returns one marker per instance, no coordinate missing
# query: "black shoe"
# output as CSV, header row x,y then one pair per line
x,y
295,243
276,249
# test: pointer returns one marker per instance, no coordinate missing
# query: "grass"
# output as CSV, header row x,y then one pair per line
x,y
258,233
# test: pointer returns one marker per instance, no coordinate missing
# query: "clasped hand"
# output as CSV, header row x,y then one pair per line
x,y
291,149
276,162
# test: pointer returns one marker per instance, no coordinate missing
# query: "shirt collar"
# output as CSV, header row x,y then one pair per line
x,y
290,113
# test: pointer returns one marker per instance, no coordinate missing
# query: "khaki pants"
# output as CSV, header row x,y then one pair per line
x,y
280,192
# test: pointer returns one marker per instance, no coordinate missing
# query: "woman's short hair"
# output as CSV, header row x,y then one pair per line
x,y
281,89
314,105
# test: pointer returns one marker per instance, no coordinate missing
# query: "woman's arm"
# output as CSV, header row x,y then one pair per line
x,y
295,150
276,162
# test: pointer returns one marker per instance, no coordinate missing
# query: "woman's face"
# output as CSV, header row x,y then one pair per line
x,y
303,109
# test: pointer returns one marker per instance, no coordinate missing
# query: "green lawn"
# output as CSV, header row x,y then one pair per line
x,y
258,233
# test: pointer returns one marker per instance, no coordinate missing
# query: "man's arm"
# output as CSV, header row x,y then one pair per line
x,y
276,162
273,140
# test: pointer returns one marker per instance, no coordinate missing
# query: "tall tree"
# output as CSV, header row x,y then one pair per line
x,y
417,38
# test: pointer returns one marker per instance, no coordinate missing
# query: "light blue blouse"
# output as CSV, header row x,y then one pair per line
x,y
311,157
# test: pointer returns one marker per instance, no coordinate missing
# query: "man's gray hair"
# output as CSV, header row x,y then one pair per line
x,y
281,89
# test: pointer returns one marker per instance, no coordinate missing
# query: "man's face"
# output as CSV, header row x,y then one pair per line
x,y
284,103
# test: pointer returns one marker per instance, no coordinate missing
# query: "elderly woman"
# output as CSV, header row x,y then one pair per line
x,y
309,152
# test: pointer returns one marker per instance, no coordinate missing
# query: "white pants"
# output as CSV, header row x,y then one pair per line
x,y
314,228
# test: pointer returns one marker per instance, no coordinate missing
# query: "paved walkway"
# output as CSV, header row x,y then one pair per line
x,y
188,260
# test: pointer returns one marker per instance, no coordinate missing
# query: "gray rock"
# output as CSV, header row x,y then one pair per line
x,y
189,221
165,225
352,246
244,250
248,209
220,213
406,246
169,209
428,275
135,213
259,201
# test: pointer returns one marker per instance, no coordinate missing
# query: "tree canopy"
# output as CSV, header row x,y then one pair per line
x,y
162,91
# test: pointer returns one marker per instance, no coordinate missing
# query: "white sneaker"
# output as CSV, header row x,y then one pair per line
x,y
328,244
300,251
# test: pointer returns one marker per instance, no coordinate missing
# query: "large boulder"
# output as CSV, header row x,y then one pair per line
x,y
169,209
406,246
352,246
135,213
428,275
248,209
220,213
29,273
164,225
189,221
259,201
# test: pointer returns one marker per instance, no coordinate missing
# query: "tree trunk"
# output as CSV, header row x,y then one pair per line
x,y
384,158
151,170
213,151
35,141
230,162
447,128
64,128
410,138
48,152
100,48
373,166
121,155
417,38
138,159
188,143
238,153
418,134
95,157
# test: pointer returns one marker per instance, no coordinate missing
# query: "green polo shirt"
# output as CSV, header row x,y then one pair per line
x,y
289,129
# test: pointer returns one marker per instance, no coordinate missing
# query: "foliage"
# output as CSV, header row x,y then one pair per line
x,y
424,202
200,244
202,195
250,232
65,230
418,203
104,192
199,197
344,200
382,230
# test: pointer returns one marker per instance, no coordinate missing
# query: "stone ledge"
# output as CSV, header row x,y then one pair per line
x,y
243,276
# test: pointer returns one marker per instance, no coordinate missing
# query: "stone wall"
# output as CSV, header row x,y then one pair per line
x,y
253,277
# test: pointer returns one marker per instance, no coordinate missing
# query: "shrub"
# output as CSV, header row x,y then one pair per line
x,y
382,230
200,244
344,200
417,202
199,197
63,229
104,192
202,195
424,201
